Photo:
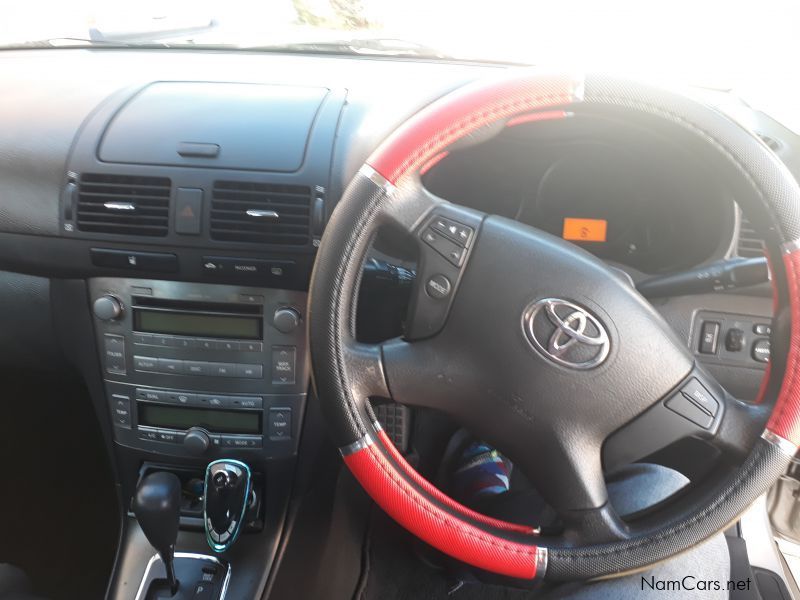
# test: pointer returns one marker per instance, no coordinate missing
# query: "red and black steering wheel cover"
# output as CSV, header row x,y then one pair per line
x,y
769,196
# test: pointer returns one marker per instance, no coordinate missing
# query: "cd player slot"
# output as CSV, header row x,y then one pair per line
x,y
197,306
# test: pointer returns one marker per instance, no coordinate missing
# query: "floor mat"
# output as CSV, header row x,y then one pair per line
x,y
59,505
393,571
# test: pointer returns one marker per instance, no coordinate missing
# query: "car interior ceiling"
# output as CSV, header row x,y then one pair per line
x,y
148,328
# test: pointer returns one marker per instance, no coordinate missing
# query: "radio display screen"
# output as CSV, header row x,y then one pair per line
x,y
216,421
197,324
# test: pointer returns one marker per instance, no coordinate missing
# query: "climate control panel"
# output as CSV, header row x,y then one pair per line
x,y
195,369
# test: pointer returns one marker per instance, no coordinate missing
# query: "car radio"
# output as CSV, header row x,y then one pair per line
x,y
195,369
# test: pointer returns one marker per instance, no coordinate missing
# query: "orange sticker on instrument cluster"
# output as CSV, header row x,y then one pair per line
x,y
585,230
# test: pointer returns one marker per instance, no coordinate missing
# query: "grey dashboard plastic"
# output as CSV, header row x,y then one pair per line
x,y
51,97
214,125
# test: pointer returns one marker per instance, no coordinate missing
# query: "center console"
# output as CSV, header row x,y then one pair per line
x,y
195,234
201,369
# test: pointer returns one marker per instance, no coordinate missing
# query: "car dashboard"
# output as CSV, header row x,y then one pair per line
x,y
163,208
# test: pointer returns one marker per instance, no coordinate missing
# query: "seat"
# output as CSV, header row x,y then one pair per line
x,y
15,584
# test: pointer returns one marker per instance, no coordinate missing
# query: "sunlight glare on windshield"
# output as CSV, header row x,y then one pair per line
x,y
750,47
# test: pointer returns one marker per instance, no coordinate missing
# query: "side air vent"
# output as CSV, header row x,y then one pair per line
x,y
123,204
774,144
260,213
750,244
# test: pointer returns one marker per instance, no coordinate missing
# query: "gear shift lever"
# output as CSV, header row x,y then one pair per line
x,y
157,506
225,498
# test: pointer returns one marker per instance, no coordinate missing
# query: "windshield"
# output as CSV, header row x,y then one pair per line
x,y
747,46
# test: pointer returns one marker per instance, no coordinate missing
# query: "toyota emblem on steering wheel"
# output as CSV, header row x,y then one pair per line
x,y
567,334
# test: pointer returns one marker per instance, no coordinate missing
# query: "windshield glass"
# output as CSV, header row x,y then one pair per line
x,y
749,47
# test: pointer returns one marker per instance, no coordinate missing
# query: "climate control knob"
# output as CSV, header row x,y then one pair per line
x,y
286,319
107,308
196,441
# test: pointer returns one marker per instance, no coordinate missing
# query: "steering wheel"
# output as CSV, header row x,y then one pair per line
x,y
543,351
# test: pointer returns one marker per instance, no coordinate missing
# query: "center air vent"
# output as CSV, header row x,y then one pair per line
x,y
260,213
750,244
122,204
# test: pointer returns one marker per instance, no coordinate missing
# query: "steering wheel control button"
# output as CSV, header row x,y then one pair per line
x,y
450,250
761,350
701,397
681,405
734,340
438,287
565,333
762,329
460,234
709,337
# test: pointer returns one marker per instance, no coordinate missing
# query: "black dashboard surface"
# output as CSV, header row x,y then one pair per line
x,y
622,193
662,212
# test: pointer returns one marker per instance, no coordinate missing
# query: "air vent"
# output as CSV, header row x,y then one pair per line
x,y
774,144
123,204
260,213
750,244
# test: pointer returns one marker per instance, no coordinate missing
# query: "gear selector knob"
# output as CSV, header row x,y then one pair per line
x,y
227,491
157,506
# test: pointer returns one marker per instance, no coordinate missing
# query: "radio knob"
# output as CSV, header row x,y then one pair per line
x,y
286,319
196,441
107,308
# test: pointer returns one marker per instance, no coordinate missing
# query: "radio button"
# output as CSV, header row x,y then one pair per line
x,y
195,367
145,363
160,340
170,365
114,346
283,365
251,346
142,338
250,371
222,369
229,345
206,344
181,342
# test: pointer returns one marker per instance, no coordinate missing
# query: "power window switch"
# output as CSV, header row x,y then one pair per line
x,y
709,337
